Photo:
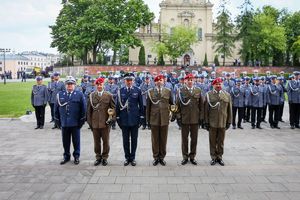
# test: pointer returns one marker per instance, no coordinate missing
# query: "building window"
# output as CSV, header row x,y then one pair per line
x,y
186,22
200,34
0,62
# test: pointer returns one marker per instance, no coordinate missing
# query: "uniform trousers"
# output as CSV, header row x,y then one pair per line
x,y
294,114
67,134
40,115
240,112
130,138
159,136
274,117
247,113
281,106
256,116
186,131
101,134
216,142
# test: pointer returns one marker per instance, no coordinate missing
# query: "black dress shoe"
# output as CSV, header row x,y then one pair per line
x,y
184,161
233,127
64,161
220,161
38,127
113,128
51,121
133,163
264,121
162,162
41,127
126,162
155,162
240,127
281,121
104,162
292,127
253,127
194,162
297,126
54,127
97,162
272,127
213,162
277,127
259,127
144,127
76,161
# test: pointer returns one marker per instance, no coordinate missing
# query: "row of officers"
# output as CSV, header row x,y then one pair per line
x,y
190,107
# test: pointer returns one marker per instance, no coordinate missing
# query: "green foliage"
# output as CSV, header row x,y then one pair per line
x,y
142,57
89,25
205,63
175,44
224,39
216,60
160,61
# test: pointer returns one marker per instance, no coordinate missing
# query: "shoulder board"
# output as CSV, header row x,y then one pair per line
x,y
108,93
167,88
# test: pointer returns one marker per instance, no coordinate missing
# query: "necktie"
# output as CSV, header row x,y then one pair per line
x,y
100,94
69,94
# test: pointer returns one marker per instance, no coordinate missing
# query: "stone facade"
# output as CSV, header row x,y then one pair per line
x,y
193,13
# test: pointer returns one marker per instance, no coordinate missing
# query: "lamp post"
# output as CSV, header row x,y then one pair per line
x,y
3,50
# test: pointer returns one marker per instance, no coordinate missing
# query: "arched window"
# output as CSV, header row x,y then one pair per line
x,y
199,34
186,22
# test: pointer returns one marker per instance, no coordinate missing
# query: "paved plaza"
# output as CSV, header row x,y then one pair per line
x,y
260,164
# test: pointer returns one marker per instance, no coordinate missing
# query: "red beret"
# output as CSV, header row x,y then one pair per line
x,y
99,80
189,76
159,77
217,80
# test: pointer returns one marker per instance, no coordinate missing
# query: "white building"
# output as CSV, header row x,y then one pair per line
x,y
192,13
13,63
42,60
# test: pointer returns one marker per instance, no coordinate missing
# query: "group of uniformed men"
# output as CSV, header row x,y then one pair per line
x,y
152,101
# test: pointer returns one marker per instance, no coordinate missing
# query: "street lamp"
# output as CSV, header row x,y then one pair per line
x,y
4,51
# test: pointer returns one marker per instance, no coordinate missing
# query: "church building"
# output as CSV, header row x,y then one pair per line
x,y
190,13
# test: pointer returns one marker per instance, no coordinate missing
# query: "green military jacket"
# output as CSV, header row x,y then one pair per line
x,y
218,109
158,106
190,105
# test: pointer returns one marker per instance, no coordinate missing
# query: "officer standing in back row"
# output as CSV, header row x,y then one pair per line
x,y
39,97
54,88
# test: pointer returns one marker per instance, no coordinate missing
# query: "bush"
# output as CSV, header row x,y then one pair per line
x,y
205,63
142,57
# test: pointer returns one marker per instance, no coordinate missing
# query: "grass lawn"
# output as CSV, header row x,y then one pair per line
x,y
15,99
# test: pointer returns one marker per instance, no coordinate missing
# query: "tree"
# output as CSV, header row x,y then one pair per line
x,y
161,50
292,31
142,57
268,37
224,39
205,63
244,25
216,60
179,41
86,25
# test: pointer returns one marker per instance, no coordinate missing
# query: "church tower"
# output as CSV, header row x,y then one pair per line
x,y
190,13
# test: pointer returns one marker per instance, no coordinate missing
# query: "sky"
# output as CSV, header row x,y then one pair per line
x,y
24,24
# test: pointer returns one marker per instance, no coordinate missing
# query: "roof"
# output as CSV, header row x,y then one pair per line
x,y
13,57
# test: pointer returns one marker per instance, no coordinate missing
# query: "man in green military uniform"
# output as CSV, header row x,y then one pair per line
x,y
157,115
189,115
217,117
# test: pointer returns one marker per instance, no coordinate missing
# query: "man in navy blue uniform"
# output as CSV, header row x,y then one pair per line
x,y
54,87
238,103
293,91
39,97
70,114
130,115
274,97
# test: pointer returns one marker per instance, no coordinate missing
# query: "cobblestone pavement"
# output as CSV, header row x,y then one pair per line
x,y
260,164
